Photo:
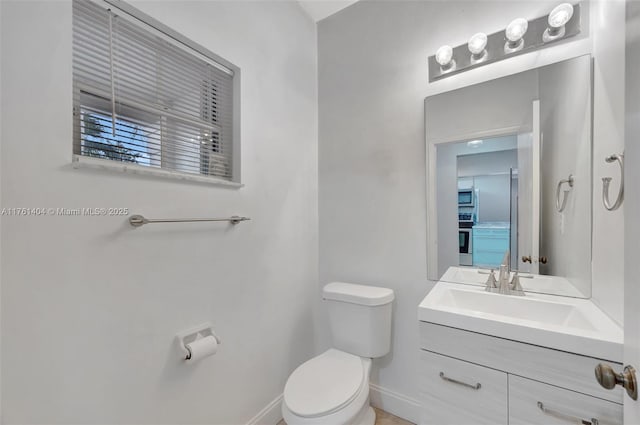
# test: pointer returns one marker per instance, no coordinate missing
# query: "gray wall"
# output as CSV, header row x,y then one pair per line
x,y
372,83
458,115
91,307
565,121
495,195
372,76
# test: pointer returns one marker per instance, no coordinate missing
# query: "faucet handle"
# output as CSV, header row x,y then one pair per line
x,y
491,285
515,286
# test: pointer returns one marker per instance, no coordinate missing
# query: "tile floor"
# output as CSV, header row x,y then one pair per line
x,y
382,418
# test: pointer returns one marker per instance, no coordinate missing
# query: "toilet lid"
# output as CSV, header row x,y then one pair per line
x,y
324,384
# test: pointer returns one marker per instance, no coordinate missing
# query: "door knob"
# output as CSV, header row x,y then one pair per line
x,y
608,378
543,260
526,258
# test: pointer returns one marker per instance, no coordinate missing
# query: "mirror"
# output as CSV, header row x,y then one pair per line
x,y
509,179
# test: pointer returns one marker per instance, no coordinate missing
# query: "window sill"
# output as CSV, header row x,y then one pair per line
x,y
86,162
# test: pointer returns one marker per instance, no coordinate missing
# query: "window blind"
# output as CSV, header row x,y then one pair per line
x,y
141,98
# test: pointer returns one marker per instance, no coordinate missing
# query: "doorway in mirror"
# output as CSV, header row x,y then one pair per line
x,y
509,169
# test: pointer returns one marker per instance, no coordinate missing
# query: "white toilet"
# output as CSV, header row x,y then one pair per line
x,y
333,388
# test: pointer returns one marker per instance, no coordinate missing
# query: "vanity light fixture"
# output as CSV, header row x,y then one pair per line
x,y
477,46
474,143
515,32
520,36
444,57
558,18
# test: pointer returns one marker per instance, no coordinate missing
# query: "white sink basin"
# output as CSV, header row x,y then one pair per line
x,y
521,308
568,324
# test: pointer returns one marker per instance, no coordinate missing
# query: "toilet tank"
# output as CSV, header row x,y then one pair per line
x,y
360,318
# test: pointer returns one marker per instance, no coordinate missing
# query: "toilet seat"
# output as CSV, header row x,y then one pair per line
x,y
325,384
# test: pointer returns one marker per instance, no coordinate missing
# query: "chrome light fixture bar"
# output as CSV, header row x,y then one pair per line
x,y
520,36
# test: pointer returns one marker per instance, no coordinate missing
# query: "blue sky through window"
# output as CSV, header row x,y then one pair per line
x,y
130,143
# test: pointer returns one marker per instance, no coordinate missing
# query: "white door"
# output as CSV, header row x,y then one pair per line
x,y
529,196
632,206
535,189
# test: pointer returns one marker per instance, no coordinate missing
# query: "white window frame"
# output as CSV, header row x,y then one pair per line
x,y
82,161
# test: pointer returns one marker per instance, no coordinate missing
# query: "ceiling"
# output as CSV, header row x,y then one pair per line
x,y
320,9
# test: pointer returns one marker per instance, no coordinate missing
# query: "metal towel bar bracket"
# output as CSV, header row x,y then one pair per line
x,y
561,204
138,220
606,181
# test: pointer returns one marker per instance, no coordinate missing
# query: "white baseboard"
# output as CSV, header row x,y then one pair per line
x,y
395,403
270,415
390,401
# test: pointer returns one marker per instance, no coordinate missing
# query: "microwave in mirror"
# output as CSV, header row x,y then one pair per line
x,y
465,197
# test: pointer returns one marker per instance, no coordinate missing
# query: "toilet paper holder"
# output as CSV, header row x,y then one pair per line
x,y
190,335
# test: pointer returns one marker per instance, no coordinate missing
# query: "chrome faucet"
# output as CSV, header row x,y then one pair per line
x,y
503,280
502,285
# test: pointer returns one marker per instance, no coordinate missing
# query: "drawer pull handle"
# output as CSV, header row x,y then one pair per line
x,y
455,381
550,412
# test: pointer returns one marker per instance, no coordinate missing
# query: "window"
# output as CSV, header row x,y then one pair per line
x,y
142,97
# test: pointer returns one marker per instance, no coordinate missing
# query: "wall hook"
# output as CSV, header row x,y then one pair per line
x,y
560,205
607,180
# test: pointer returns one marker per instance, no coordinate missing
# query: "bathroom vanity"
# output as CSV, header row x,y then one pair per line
x,y
488,358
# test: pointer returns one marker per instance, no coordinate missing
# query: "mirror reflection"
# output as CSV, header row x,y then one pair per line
x,y
510,162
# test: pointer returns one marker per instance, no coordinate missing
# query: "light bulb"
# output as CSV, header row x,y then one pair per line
x,y
444,55
558,17
477,43
514,33
516,29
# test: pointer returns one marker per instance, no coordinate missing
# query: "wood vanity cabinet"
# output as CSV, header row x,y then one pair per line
x,y
469,378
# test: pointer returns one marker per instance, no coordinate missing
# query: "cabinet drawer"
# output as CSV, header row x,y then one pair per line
x,y
454,392
571,371
561,406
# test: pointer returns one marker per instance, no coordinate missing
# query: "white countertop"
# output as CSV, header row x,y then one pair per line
x,y
568,324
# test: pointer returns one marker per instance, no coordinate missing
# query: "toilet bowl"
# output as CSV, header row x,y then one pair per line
x,y
330,389
333,388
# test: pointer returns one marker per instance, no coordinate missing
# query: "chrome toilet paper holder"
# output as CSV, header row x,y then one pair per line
x,y
190,335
